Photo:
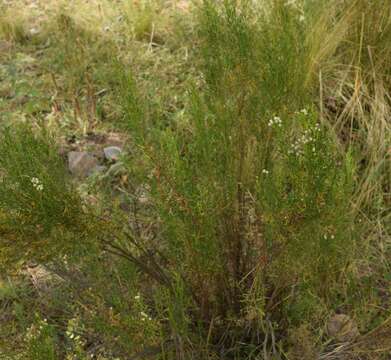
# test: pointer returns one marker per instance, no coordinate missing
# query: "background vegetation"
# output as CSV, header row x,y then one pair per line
x,y
248,216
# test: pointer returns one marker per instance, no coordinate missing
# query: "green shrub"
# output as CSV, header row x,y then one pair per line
x,y
247,240
253,195
37,201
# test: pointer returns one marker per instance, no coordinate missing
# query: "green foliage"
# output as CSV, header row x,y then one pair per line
x,y
237,221
253,190
36,199
306,195
255,55
79,52
41,341
12,28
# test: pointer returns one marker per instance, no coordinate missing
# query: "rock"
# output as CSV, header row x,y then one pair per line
x,y
342,328
81,163
98,169
112,153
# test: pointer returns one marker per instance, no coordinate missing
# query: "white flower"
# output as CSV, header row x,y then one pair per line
x,y
264,171
37,184
301,18
275,121
137,297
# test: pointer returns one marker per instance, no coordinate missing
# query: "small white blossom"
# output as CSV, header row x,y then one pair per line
x,y
276,120
307,138
37,184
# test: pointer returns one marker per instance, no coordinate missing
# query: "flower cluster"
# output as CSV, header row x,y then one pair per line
x,y
37,184
276,120
307,138
298,145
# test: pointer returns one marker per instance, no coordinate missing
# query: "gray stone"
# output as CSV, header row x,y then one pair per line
x,y
112,153
98,170
81,163
342,328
